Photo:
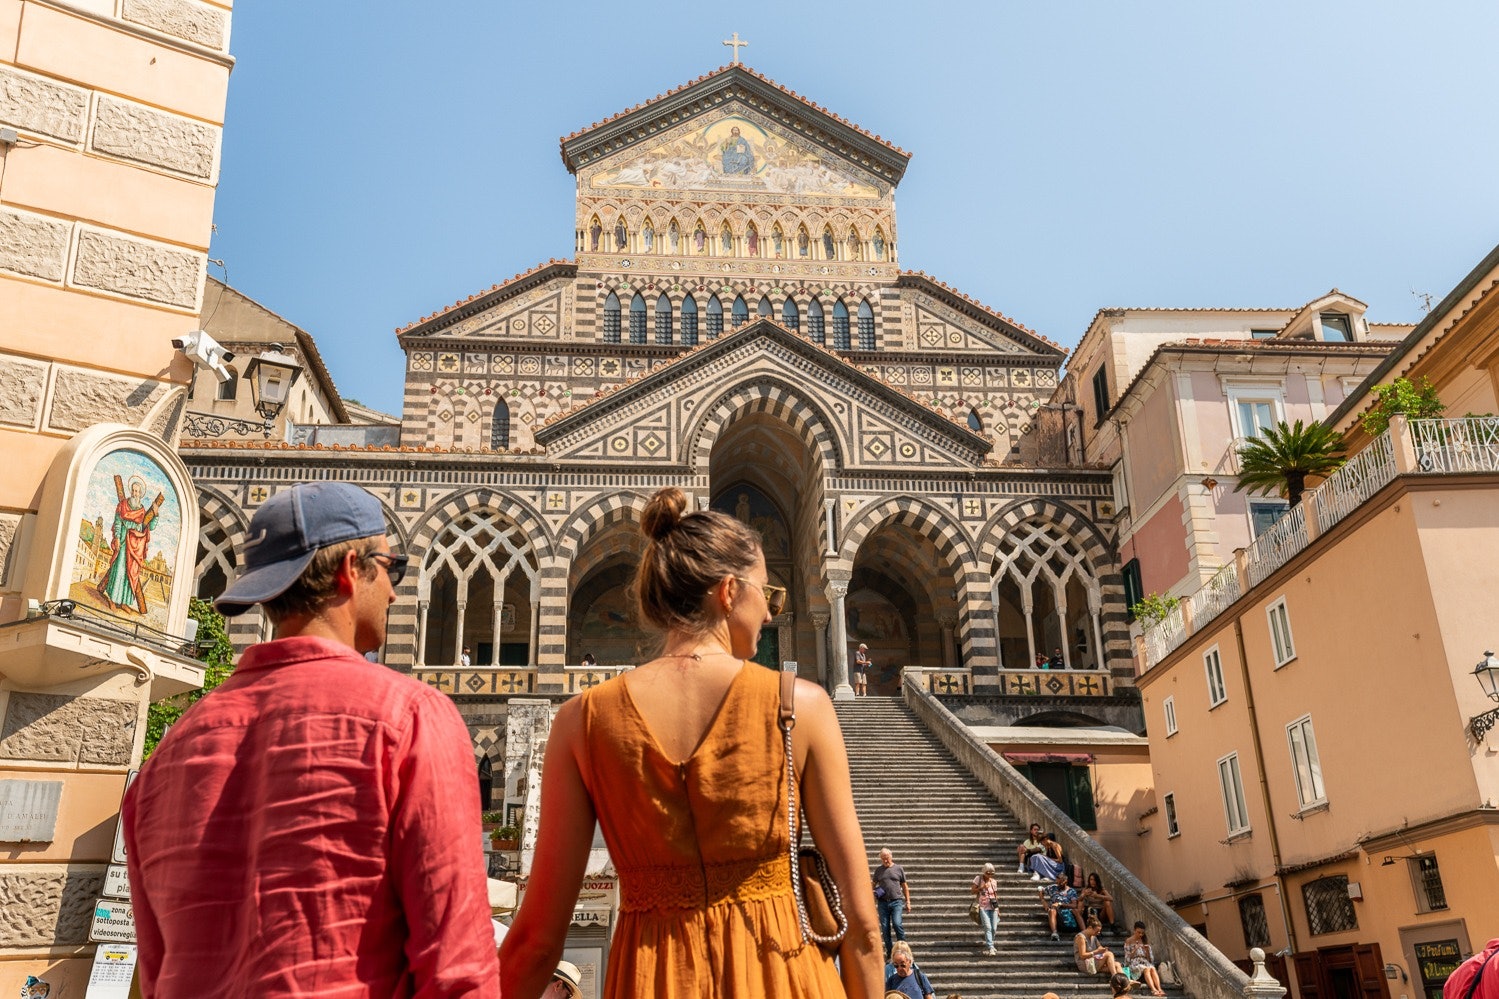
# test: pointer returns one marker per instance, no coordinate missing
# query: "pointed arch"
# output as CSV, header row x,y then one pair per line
x,y
752,240
621,241
764,310
791,316
816,330
726,239
595,233
879,243
855,244
866,325
663,319
829,245
637,319
741,311
775,398
499,427
777,241
803,242
611,318
715,318
689,320
648,236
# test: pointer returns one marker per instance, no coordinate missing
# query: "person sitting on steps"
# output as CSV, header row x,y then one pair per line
x,y
1091,956
1032,845
1060,902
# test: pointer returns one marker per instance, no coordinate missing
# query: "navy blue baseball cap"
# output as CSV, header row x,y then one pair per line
x,y
287,532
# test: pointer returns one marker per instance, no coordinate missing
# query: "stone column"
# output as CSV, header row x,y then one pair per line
x,y
827,513
421,632
947,622
842,691
494,646
458,644
1095,611
1028,608
999,653
535,626
1060,590
820,628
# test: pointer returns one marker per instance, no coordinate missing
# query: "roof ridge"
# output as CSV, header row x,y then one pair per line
x,y
741,67
552,262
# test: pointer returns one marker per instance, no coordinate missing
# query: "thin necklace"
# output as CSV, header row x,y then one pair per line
x,y
693,655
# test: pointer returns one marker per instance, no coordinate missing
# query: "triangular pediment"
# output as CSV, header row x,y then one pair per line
x,y
661,418
684,139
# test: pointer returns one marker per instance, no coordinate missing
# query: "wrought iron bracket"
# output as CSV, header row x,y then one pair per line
x,y
1480,725
209,425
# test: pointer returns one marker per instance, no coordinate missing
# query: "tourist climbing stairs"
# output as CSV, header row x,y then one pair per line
x,y
942,825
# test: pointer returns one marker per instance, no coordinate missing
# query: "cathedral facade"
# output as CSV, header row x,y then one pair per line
x,y
735,321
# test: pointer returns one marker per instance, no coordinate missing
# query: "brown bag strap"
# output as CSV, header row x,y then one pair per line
x,y
788,700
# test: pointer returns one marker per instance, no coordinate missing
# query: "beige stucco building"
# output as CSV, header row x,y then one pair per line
x,y
1323,788
110,119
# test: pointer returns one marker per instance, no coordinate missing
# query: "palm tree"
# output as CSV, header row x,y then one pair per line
x,y
1283,456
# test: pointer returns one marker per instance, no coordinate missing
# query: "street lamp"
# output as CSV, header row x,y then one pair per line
x,y
271,375
1487,675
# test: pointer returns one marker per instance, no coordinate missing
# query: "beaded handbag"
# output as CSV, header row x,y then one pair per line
x,y
819,904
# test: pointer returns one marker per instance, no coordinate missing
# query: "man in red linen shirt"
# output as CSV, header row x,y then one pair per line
x,y
1477,977
311,827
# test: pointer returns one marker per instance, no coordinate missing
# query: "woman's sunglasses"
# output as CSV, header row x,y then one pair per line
x,y
775,596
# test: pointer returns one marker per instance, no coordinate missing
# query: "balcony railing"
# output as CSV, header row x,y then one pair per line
x,y
1409,447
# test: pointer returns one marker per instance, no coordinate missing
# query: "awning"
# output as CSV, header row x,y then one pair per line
x,y
1049,757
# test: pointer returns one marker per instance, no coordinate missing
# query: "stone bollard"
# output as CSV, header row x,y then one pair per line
x,y
1261,984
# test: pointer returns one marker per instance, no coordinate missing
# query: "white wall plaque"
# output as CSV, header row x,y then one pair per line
x,y
116,882
28,810
113,922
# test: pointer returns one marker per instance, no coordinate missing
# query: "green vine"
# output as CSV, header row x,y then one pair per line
x,y
216,651
1154,608
1416,400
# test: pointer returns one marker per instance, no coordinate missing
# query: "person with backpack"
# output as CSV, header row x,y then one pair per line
x,y
904,978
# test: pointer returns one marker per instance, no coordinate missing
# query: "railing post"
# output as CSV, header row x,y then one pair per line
x,y
1241,569
1261,984
1403,445
1185,603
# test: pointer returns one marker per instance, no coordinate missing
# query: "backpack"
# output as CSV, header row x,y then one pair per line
x,y
1067,920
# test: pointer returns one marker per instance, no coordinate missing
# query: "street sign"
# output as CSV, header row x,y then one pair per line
x,y
113,922
117,856
114,967
116,882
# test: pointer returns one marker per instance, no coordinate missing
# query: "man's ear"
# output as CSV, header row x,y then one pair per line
x,y
348,571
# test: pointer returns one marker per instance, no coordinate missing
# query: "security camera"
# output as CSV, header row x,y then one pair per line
x,y
206,352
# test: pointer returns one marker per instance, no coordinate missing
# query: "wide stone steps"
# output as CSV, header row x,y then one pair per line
x,y
942,825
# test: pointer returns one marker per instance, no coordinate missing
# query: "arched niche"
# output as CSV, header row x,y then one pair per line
x,y
121,511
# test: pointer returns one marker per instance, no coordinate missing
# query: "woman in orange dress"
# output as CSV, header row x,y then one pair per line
x,y
682,764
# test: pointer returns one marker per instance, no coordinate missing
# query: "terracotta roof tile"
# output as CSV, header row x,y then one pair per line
x,y
759,76
554,262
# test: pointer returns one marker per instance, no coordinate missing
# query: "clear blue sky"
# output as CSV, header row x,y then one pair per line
x,y
383,159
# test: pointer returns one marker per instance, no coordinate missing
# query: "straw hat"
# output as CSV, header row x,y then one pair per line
x,y
568,974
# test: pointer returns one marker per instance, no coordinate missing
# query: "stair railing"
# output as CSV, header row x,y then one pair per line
x,y
1204,970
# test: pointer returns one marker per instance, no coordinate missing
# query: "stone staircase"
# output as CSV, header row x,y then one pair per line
x,y
942,825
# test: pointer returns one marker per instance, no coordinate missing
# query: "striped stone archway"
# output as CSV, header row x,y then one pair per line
x,y
406,615
976,638
581,528
775,398
1075,526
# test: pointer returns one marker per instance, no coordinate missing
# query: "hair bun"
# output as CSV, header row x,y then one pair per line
x,y
663,513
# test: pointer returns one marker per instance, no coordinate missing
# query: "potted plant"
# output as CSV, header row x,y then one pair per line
x,y
492,820
505,838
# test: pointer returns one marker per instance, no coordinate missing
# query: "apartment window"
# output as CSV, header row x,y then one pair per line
x,y
1100,394
229,388
1232,786
1255,416
1134,590
1252,918
1304,761
1263,334
1262,516
1328,907
1169,707
1172,829
1212,664
1280,632
1427,879
1336,328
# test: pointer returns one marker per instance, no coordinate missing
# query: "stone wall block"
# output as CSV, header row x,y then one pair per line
x,y
153,137
196,22
35,104
57,728
83,398
33,245
10,527
47,907
150,271
22,384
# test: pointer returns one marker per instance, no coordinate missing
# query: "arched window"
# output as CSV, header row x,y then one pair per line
x,y
815,322
229,390
791,316
866,326
715,318
975,422
689,321
764,310
611,318
499,431
741,312
637,319
663,319
840,326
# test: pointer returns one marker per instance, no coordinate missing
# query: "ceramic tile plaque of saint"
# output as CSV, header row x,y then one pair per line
x,y
128,538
